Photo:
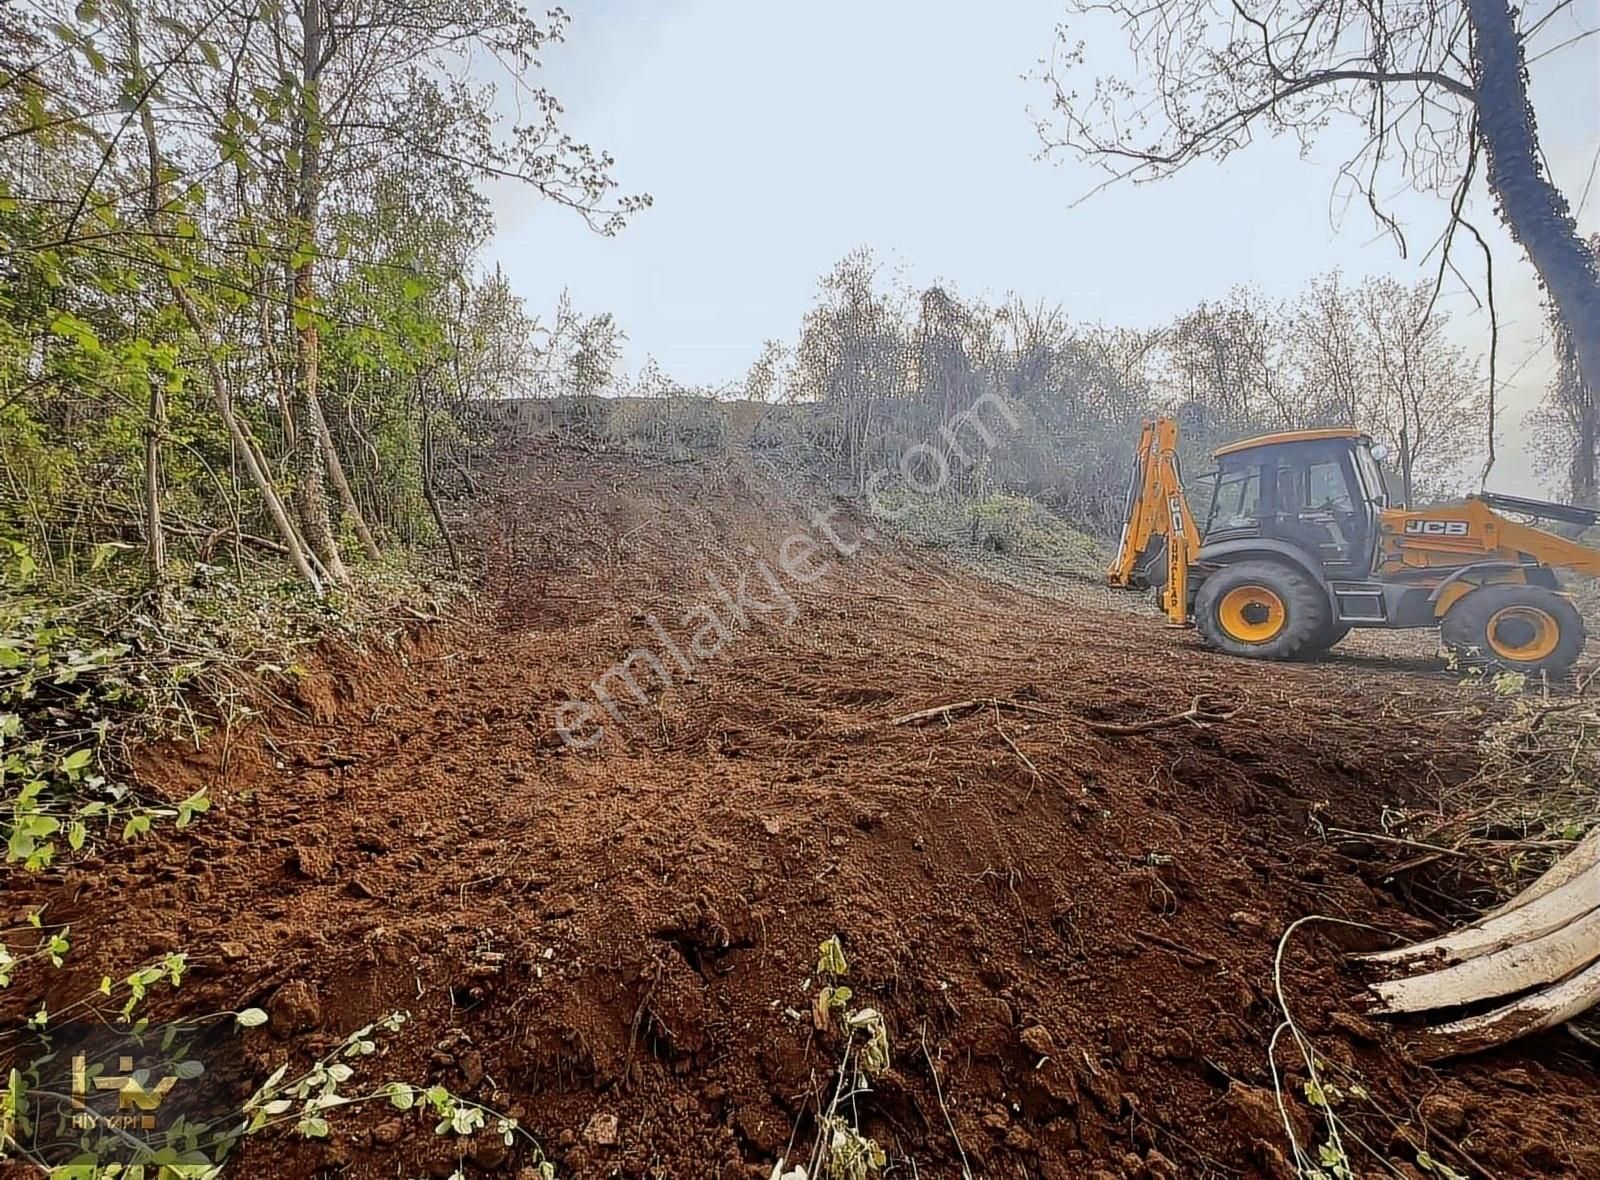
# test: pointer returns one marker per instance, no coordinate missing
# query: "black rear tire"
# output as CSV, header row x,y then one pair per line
x,y
1516,629
1327,637
1262,610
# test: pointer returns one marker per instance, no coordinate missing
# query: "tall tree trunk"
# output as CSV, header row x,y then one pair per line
x,y
1532,208
1407,458
310,504
341,484
155,425
1583,463
155,537
242,444
219,383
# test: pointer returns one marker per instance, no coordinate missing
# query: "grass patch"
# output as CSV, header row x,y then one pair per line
x,y
1010,537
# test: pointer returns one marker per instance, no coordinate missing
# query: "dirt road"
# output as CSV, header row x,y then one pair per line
x,y
1075,929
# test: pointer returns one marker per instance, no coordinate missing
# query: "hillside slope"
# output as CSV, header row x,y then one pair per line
x,y
1075,928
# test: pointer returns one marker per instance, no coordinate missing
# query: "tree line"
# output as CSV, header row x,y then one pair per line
x,y
239,303
883,367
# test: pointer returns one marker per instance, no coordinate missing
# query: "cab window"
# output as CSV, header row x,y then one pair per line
x,y
1237,499
1327,490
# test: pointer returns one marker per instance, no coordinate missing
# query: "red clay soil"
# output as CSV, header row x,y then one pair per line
x,y
1077,929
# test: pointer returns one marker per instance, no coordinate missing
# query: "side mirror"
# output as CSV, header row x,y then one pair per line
x,y
1380,452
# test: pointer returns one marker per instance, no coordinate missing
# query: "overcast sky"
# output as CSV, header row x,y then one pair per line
x,y
776,138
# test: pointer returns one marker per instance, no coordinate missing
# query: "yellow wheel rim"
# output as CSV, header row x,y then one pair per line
x,y
1525,634
1252,614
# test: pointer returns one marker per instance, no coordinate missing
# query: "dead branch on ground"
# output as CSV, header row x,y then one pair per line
x,y
1205,711
945,711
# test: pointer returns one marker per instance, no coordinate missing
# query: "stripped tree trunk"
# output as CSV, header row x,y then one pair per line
x,y
341,484
243,445
155,425
155,538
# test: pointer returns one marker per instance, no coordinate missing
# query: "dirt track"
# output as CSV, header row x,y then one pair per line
x,y
1077,928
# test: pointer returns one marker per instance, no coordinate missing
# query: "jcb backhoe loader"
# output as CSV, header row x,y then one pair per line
x,y
1299,543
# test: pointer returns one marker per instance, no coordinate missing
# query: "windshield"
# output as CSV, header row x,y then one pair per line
x,y
1372,476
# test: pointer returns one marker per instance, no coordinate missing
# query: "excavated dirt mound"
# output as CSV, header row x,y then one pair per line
x,y
1075,929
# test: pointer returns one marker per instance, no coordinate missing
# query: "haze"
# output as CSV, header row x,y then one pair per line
x,y
774,139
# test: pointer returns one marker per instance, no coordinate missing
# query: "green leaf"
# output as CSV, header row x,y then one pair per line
x,y
173,25
195,804
135,827
104,551
830,958
400,1095
250,1018
96,59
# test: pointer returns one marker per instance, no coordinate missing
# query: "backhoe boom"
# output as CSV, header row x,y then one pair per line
x,y
1158,514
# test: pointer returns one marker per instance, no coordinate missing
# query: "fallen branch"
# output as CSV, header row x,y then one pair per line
x,y
1435,850
1015,749
1177,948
964,707
1200,714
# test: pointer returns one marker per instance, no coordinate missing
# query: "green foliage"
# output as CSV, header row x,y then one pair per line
x,y
850,1154
195,276
60,687
830,958
307,1102
1010,536
81,678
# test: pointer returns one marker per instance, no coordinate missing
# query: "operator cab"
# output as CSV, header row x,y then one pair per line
x,y
1317,490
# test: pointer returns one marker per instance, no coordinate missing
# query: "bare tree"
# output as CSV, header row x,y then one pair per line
x,y
1566,425
1227,357
1439,87
853,355
764,381
1423,395
1372,357
1330,351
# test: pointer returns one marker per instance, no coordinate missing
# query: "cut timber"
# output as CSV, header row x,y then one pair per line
x,y
1575,862
1547,937
1516,969
1530,1014
1544,915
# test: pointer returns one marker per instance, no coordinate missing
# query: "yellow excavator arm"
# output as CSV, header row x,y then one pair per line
x,y
1157,508
1445,537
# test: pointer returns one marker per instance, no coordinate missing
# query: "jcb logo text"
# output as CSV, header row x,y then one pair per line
x,y
1437,528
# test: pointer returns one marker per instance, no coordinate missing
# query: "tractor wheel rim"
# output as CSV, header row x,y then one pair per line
x,y
1523,633
1252,614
